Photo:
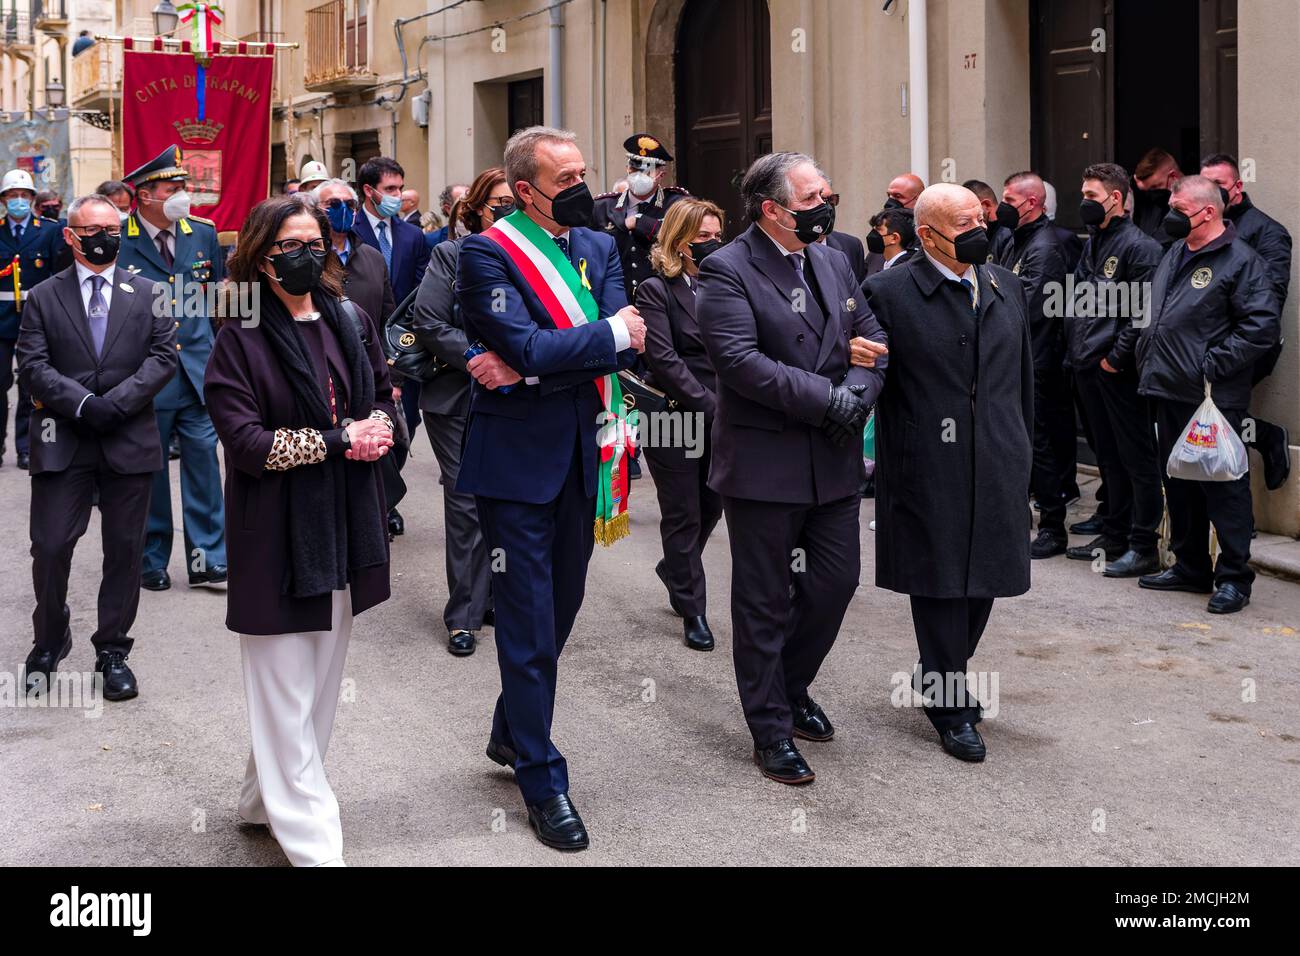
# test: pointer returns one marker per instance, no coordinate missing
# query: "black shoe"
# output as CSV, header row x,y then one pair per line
x,y
1133,564
461,643
1228,599
25,462
174,449
1174,580
501,753
963,742
490,618
783,763
811,722
41,665
557,824
155,580
1272,443
1048,544
210,578
1090,526
1113,548
396,525
672,601
119,682
698,635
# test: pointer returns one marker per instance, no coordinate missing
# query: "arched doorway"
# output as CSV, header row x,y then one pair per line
x,y
723,98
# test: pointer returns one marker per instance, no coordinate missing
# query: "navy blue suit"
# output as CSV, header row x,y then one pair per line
x,y
530,460
410,259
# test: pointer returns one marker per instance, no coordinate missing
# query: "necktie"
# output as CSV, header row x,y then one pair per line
x,y
970,292
563,243
18,231
809,281
97,314
385,246
164,247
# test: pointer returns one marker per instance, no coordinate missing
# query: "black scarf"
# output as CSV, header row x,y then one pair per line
x,y
336,524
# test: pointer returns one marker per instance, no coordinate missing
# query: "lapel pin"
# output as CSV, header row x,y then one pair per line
x,y
125,287
851,304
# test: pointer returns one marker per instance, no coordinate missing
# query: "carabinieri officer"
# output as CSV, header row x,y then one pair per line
x,y
163,242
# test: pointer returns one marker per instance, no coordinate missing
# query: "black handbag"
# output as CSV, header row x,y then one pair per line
x,y
641,396
390,466
405,355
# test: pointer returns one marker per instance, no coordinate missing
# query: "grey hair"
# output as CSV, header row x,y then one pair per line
x,y
769,178
1201,188
521,153
315,191
89,200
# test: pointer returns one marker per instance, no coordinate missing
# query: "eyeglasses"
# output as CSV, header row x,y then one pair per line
x,y
350,203
292,246
499,202
91,231
833,199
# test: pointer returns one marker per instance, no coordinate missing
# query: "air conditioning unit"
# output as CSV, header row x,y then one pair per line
x,y
420,108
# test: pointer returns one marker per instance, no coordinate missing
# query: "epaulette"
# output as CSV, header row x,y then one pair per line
x,y
610,195
206,222
677,189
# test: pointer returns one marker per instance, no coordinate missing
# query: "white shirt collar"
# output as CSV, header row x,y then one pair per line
x,y
84,273
153,230
782,249
895,257
947,273
376,220
20,223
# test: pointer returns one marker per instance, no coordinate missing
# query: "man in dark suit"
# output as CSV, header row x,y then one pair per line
x,y
848,244
891,237
401,244
999,238
365,278
93,352
31,250
953,448
776,309
512,283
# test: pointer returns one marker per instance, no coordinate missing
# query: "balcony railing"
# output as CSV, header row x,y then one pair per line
x,y
337,55
49,15
15,26
268,36
96,75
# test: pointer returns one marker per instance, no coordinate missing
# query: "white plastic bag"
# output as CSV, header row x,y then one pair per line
x,y
1209,450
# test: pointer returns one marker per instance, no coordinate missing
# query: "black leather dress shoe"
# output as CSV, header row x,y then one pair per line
x,y
396,525
155,580
811,722
1172,579
1228,599
25,462
963,742
698,637
1133,564
1088,526
557,824
672,601
501,753
461,643
1273,444
783,763
119,682
1048,544
41,664
1113,548
213,577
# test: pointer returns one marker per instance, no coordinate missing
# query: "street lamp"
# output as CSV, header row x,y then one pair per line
x,y
165,18
54,93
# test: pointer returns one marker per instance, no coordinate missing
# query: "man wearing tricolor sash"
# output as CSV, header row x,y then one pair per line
x,y
548,441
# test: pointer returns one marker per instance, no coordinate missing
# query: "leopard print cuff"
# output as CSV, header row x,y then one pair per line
x,y
294,447
380,415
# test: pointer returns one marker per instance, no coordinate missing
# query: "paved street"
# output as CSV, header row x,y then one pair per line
x,y
1122,735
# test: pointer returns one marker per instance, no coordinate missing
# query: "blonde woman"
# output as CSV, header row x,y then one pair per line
x,y
691,230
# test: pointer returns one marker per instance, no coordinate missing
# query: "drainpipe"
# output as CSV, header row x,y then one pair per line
x,y
556,117
604,135
918,81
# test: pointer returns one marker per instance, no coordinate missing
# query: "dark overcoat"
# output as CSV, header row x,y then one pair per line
x,y
249,397
953,434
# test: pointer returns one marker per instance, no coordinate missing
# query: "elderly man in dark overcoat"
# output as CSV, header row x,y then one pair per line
x,y
954,447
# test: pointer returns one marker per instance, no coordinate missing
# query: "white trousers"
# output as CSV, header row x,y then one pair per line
x,y
292,684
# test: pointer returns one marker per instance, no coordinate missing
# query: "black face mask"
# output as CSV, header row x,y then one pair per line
x,y
1008,216
299,272
702,250
570,207
1225,196
1178,225
811,224
875,243
892,203
500,212
1092,213
971,246
99,249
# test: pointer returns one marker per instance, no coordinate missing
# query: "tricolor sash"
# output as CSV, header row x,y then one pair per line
x,y
566,295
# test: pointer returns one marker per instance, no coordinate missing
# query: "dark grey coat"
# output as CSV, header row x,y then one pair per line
x,y
953,434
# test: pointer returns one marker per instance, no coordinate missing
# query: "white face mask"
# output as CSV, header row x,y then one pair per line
x,y
177,206
640,184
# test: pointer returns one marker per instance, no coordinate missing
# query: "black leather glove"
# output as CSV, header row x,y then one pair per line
x,y
101,415
846,415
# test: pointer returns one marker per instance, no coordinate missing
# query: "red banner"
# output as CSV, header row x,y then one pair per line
x,y
226,140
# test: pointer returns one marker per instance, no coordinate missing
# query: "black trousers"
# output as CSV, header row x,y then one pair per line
x,y
469,579
1195,505
1126,454
947,632
22,410
1054,446
780,641
60,514
688,513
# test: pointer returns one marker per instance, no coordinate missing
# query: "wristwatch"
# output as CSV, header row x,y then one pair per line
x,y
346,439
